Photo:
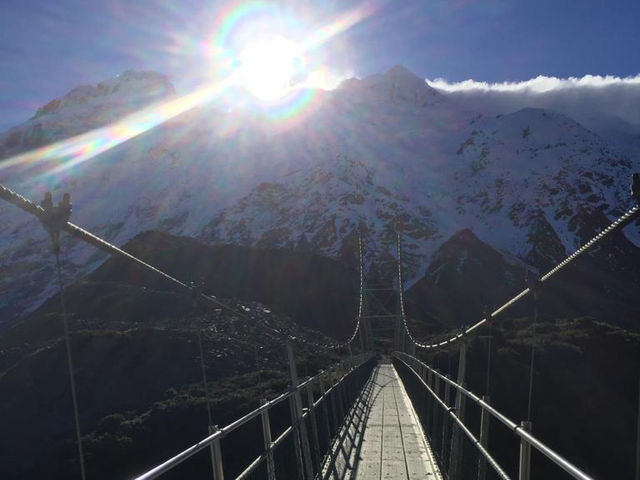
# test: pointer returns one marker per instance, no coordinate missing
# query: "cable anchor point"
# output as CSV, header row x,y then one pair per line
x,y
533,281
55,217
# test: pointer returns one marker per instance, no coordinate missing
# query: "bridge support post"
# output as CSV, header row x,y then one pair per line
x,y
396,335
524,471
334,409
446,423
422,370
216,455
434,421
266,435
325,410
361,334
314,428
484,439
296,438
455,458
300,431
430,403
340,400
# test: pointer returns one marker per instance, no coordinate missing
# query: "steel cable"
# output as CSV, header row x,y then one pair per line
x,y
67,341
82,234
618,224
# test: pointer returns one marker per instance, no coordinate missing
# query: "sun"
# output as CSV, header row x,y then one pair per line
x,y
268,66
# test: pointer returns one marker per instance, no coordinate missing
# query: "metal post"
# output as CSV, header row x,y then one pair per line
x,y
484,439
348,391
445,420
53,220
366,334
396,335
216,455
325,410
334,408
456,440
314,428
266,435
422,371
340,400
525,454
296,438
297,405
430,402
436,389
347,387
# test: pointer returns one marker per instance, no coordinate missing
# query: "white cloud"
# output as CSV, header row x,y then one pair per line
x,y
540,84
594,100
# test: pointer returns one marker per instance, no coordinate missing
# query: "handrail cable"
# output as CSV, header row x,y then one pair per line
x,y
452,413
629,216
84,235
223,432
560,461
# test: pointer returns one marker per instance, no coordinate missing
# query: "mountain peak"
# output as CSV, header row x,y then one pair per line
x,y
398,85
129,89
402,71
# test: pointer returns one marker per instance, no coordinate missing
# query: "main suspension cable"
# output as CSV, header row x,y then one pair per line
x,y
82,234
628,217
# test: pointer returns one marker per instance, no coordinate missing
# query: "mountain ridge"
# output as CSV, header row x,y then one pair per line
x,y
368,157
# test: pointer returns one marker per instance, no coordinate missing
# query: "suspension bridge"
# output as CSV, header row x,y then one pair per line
x,y
384,413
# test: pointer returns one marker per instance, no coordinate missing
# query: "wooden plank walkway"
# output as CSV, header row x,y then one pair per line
x,y
382,438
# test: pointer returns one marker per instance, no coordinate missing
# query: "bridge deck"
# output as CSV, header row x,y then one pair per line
x,y
382,438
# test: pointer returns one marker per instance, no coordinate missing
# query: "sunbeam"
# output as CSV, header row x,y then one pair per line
x,y
73,151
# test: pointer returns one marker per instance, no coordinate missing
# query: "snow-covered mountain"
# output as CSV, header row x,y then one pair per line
x,y
87,107
376,154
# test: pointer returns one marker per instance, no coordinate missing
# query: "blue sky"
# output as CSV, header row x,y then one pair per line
x,y
47,48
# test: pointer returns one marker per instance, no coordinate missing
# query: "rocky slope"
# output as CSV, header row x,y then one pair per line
x,y
467,276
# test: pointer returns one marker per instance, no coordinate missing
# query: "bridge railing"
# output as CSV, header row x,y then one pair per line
x,y
444,421
317,407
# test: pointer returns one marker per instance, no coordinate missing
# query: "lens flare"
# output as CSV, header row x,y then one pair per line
x,y
62,155
268,66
